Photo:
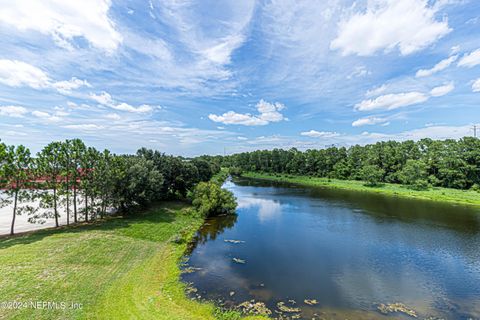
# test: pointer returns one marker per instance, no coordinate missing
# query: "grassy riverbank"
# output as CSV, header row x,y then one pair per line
x,y
464,197
122,268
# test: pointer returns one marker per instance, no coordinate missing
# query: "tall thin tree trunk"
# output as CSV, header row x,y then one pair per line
x,y
14,213
55,205
104,207
93,214
75,202
68,203
86,207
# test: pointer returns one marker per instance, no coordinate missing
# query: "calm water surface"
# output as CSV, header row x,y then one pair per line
x,y
348,250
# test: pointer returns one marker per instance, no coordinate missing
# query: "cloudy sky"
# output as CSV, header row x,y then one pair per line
x,y
193,77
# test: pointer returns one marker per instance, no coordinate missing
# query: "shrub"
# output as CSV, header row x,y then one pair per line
x,y
475,187
209,199
414,174
372,175
220,314
235,171
220,177
420,184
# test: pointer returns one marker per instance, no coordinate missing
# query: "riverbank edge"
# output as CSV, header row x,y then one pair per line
x,y
452,196
159,270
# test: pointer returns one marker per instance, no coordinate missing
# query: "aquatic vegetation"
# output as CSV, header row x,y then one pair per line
x,y
240,261
234,241
256,308
396,307
310,302
282,307
190,289
191,270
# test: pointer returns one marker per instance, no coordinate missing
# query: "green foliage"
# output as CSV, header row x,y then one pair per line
x,y
464,197
49,165
179,175
138,183
70,177
447,163
209,199
475,187
114,268
220,314
220,177
235,171
204,168
15,170
414,174
372,175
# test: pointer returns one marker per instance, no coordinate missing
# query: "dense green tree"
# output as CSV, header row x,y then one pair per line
x,y
448,163
414,174
372,174
139,185
67,173
204,168
104,176
77,151
209,199
49,165
16,174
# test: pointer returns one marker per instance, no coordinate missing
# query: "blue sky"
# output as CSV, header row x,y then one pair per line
x,y
195,77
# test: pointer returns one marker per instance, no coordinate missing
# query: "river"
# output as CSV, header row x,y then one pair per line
x,y
333,254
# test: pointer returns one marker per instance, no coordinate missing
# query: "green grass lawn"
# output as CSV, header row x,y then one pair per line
x,y
122,268
466,197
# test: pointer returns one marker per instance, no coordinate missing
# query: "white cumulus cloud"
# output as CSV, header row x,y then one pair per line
x,y
392,101
442,90
64,21
397,100
105,99
12,111
470,60
369,121
144,108
83,127
409,25
68,85
268,112
442,65
476,85
46,116
16,73
320,134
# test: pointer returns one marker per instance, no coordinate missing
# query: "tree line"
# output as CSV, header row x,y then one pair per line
x,y
72,179
439,163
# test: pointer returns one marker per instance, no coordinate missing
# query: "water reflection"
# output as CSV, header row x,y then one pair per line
x,y
212,228
267,209
350,251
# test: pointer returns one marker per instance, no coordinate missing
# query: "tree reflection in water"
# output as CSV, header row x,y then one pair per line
x,y
211,229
